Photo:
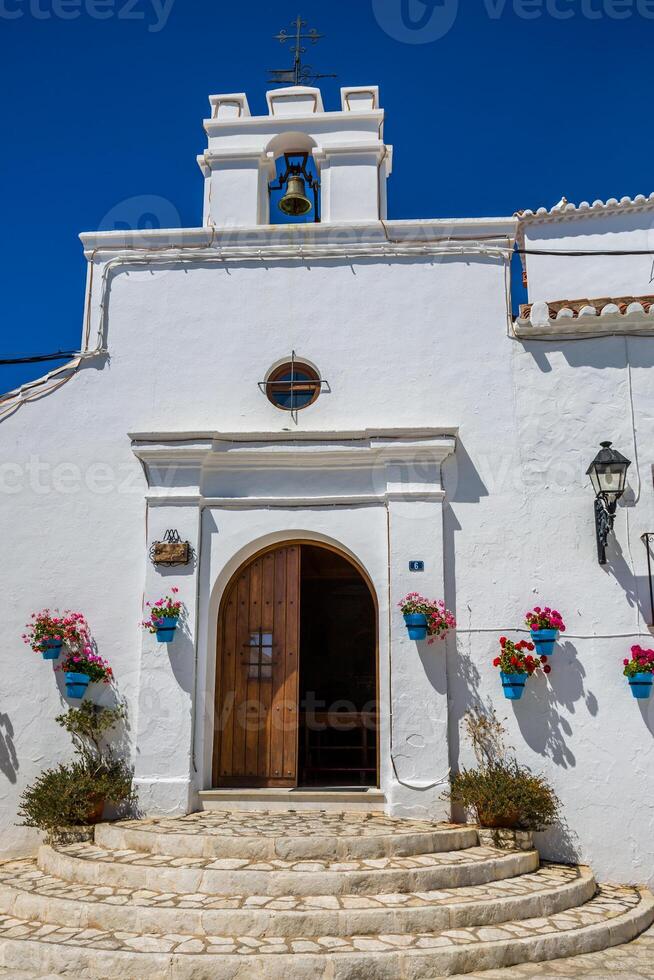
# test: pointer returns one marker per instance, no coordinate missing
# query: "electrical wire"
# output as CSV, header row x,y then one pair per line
x,y
489,246
61,355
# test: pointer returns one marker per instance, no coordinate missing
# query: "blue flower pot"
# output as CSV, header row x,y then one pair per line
x,y
416,623
544,641
641,685
166,631
76,685
514,685
51,649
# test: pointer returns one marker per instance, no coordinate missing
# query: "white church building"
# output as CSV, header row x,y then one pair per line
x,y
333,414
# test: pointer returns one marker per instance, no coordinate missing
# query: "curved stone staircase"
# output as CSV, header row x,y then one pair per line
x,y
299,896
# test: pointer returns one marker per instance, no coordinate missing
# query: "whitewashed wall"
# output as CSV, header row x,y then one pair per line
x,y
628,227
408,342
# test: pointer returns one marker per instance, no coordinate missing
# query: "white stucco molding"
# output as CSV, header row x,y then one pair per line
x,y
437,235
548,320
565,211
241,470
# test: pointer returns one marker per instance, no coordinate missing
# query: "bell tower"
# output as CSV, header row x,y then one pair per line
x,y
343,152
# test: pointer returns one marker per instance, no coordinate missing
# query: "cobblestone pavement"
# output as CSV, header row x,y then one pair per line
x,y
635,961
141,859
631,962
610,903
295,824
25,876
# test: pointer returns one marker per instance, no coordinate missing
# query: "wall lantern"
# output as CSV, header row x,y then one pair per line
x,y
608,474
295,179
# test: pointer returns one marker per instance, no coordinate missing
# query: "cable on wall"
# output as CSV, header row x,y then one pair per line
x,y
447,245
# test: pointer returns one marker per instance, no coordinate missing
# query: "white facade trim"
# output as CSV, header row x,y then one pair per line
x,y
588,323
568,210
398,517
344,238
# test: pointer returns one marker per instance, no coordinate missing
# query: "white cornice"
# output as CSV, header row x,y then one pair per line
x,y
395,464
569,323
345,238
314,121
585,208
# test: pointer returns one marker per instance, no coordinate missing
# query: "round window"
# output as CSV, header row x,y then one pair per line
x,y
293,385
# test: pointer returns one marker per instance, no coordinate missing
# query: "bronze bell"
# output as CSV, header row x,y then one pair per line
x,y
295,201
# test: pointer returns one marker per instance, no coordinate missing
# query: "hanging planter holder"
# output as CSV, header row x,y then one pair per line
x,y
76,685
544,641
514,685
641,685
51,649
166,630
416,623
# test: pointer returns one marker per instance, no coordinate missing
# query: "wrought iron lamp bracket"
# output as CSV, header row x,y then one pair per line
x,y
604,521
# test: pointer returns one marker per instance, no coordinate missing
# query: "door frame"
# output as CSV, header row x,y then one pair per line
x,y
300,543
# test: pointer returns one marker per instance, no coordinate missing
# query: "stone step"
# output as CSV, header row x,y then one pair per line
x,y
91,864
285,800
291,837
615,916
27,893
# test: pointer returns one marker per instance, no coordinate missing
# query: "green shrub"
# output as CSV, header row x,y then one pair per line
x,y
500,793
505,794
69,796
73,795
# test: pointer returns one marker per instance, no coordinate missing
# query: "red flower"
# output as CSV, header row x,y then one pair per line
x,y
543,660
502,641
547,669
496,662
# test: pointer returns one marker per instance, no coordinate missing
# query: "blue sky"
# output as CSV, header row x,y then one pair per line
x,y
492,105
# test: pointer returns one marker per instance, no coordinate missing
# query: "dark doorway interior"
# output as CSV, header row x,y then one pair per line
x,y
338,673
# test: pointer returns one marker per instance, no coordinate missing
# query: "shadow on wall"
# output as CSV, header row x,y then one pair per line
x,y
647,714
543,726
601,353
635,587
8,757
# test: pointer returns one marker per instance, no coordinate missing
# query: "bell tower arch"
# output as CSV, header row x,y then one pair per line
x,y
352,161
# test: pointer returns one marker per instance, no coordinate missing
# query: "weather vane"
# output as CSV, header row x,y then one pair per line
x,y
299,74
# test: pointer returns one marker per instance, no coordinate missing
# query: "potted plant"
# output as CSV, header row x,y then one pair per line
x,y
545,625
48,631
67,800
164,617
517,666
640,672
82,669
506,799
426,617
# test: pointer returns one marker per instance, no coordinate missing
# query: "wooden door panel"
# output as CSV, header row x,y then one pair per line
x,y
257,677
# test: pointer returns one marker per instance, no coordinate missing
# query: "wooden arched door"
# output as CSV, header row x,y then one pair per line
x,y
256,718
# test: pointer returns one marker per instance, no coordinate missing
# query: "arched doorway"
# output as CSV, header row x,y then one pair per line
x,y
296,672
